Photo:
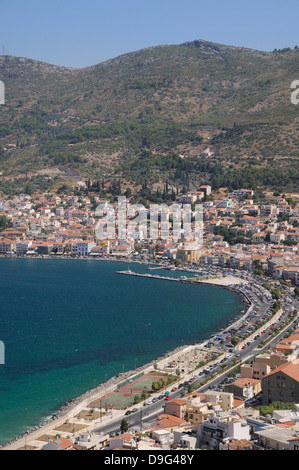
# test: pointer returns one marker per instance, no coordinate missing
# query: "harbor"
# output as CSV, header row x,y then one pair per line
x,y
226,281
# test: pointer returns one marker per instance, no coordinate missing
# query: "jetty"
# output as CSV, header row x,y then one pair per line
x,y
230,282
156,276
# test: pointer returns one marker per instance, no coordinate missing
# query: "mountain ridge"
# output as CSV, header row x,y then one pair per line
x,y
162,99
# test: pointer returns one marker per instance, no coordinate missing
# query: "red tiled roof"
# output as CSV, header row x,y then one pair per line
x,y
291,369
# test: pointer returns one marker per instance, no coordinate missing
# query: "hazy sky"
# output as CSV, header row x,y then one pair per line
x,y
80,33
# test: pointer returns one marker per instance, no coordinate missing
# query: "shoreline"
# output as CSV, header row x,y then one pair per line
x,y
87,397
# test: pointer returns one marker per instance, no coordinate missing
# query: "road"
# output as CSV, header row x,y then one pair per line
x,y
147,414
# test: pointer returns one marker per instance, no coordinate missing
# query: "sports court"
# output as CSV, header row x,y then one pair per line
x,y
124,396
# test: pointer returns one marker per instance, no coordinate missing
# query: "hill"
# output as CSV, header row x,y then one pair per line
x,y
146,117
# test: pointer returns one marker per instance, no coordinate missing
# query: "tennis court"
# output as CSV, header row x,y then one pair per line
x,y
124,396
116,401
143,383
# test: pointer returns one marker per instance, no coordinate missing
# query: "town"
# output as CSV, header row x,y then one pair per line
x,y
239,389
237,233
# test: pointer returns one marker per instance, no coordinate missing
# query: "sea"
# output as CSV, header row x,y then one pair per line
x,y
70,325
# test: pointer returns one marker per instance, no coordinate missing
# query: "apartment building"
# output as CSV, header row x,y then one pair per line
x,y
282,384
226,425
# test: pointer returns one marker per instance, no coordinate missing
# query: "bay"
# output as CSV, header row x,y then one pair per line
x,y
69,325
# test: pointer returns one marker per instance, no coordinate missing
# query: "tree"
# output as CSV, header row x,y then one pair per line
x,y
235,340
145,394
4,222
124,426
277,306
276,294
277,405
170,378
158,385
258,268
128,192
155,386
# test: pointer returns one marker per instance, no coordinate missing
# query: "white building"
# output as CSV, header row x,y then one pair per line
x,y
239,193
84,247
23,247
223,426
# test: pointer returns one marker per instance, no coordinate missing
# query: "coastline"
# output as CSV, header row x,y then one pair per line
x,y
87,397
83,400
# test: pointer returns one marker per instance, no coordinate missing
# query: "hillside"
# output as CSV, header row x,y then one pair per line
x,y
132,116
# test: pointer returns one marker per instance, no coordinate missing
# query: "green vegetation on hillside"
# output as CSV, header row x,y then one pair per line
x,y
133,117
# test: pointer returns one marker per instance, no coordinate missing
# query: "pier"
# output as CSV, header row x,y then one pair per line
x,y
156,276
228,282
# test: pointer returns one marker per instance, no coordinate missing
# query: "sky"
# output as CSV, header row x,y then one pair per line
x,y
77,33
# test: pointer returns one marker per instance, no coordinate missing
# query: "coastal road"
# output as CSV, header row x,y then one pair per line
x,y
146,415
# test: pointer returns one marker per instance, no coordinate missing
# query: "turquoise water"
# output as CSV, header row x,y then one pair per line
x,y
69,325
